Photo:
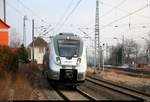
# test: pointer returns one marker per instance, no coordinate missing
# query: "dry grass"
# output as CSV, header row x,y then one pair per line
x,y
122,78
19,86
5,87
23,89
139,83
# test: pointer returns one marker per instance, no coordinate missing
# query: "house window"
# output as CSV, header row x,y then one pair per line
x,y
41,50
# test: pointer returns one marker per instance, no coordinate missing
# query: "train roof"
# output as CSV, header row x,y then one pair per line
x,y
67,36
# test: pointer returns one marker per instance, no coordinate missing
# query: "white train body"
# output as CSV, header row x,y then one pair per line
x,y
67,59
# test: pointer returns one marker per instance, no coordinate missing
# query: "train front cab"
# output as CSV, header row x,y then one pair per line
x,y
67,70
65,73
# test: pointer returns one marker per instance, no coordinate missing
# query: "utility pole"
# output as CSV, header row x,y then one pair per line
x,y
147,50
87,56
97,42
103,56
123,60
107,52
4,8
24,30
33,40
136,56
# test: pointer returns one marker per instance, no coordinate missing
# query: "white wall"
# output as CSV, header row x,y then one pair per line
x,y
37,55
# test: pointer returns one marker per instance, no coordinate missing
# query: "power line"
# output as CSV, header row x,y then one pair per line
x,y
126,11
19,12
31,11
45,30
86,34
22,14
61,19
69,14
64,14
125,16
115,7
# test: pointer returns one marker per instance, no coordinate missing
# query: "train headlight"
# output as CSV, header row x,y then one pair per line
x,y
58,60
78,61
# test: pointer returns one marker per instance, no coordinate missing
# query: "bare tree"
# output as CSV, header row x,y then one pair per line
x,y
147,49
15,40
131,50
116,55
121,54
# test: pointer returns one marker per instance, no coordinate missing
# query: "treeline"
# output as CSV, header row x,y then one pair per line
x,y
9,59
129,53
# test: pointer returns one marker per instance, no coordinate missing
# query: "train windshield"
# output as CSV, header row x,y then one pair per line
x,y
68,48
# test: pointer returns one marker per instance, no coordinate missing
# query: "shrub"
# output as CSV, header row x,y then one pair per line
x,y
22,54
8,60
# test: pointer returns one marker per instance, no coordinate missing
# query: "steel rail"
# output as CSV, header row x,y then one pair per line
x,y
91,98
66,98
135,94
60,93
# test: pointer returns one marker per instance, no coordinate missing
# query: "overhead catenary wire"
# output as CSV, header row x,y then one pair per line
x,y
37,16
21,14
125,16
33,13
125,10
121,25
61,19
115,7
64,14
16,10
45,30
72,11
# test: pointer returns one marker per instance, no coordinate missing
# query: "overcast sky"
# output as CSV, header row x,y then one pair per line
x,y
114,18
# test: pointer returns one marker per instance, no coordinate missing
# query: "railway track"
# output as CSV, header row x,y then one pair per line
x,y
123,90
86,95
135,71
75,94
66,93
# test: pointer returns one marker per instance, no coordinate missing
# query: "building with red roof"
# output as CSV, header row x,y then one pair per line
x,y
4,31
